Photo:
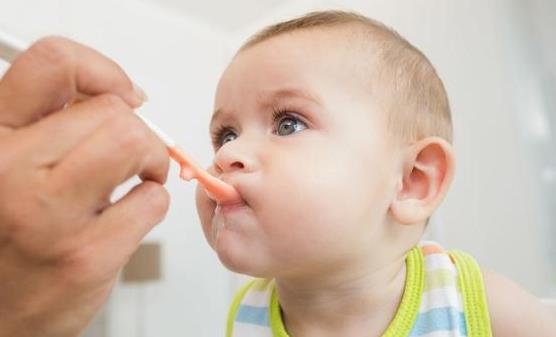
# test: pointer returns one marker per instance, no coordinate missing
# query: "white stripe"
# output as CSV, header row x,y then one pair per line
x,y
250,330
257,298
441,298
439,261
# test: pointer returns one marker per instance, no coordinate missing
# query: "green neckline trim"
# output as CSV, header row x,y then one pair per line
x,y
470,282
407,311
233,308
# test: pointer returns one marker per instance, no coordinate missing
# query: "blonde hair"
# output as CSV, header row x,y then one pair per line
x,y
415,98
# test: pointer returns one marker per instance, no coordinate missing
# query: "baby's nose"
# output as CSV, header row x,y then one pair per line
x,y
235,165
232,158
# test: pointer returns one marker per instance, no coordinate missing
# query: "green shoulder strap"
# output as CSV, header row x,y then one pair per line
x,y
470,282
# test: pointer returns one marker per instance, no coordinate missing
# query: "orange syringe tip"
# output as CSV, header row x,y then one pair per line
x,y
216,188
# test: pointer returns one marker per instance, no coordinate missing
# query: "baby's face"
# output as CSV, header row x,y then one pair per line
x,y
298,134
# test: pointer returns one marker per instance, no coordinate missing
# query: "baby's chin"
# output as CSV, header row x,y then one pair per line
x,y
244,269
236,258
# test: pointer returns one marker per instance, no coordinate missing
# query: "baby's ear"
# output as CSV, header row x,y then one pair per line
x,y
427,173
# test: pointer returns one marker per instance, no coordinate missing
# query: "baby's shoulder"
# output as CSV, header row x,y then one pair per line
x,y
513,311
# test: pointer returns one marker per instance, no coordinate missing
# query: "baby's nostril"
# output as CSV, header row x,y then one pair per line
x,y
237,165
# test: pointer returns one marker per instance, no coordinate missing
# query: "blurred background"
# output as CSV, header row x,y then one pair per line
x,y
498,62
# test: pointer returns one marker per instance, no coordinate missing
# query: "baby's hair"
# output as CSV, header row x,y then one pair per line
x,y
409,88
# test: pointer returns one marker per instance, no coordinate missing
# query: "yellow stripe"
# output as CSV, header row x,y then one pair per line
x,y
439,279
261,284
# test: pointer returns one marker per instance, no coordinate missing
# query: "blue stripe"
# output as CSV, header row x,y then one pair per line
x,y
252,315
441,319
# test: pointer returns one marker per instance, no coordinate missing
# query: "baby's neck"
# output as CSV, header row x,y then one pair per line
x,y
350,303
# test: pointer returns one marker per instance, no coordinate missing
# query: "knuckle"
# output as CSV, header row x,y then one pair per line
x,y
12,222
160,201
46,198
21,228
16,220
161,159
165,165
131,135
54,49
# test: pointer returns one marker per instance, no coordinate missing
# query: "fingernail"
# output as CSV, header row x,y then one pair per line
x,y
140,93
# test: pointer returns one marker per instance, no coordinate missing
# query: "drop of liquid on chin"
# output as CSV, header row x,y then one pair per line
x,y
210,195
218,222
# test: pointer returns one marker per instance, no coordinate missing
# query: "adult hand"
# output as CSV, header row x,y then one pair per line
x,y
62,241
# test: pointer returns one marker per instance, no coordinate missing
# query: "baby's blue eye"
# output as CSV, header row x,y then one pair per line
x,y
288,125
226,136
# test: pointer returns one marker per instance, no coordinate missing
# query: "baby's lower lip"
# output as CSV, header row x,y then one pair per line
x,y
229,208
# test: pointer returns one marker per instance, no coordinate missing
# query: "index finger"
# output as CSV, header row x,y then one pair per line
x,y
51,73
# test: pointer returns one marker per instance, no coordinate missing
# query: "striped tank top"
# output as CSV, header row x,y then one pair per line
x,y
443,297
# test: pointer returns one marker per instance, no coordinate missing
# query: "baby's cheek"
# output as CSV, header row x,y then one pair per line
x,y
318,196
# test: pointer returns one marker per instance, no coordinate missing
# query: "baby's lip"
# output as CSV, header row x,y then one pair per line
x,y
235,202
231,206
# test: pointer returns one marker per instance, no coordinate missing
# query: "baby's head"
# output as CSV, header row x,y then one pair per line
x,y
336,132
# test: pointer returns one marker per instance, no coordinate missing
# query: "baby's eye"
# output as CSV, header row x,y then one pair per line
x,y
227,137
223,136
288,124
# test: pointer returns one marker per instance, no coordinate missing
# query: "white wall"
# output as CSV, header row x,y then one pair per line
x,y
493,211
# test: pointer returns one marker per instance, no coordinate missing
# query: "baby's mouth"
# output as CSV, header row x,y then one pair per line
x,y
226,215
229,207
232,204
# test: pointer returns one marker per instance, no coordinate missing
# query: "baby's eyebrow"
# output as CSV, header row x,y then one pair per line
x,y
279,94
270,98
215,116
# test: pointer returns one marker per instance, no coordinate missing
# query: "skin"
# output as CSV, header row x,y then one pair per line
x,y
62,240
331,205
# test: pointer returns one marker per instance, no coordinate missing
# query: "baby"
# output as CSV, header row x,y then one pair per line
x,y
337,134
